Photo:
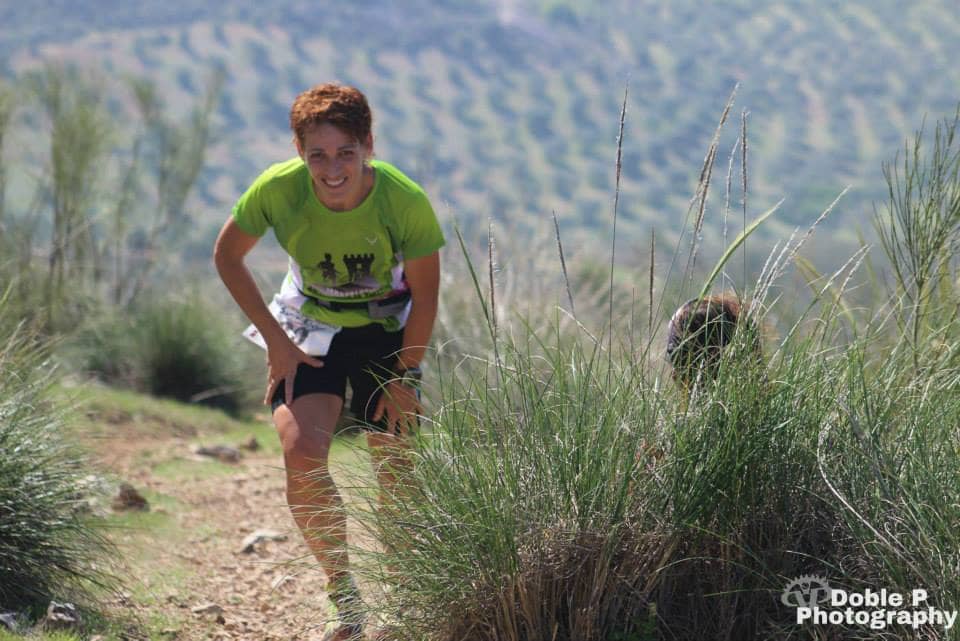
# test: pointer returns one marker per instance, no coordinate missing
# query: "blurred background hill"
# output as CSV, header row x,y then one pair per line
x,y
509,109
129,129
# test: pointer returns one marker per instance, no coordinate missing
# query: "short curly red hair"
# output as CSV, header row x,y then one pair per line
x,y
342,106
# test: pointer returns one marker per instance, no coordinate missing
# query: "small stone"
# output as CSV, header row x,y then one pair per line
x,y
252,445
281,581
208,608
251,541
220,619
8,621
62,615
128,498
223,453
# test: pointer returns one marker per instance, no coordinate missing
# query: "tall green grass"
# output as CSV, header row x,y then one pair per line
x,y
554,499
49,547
566,490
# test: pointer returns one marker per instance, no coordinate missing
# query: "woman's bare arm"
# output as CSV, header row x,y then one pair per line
x,y
423,277
283,357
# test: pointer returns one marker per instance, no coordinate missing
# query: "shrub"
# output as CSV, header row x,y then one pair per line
x,y
570,495
185,354
171,347
48,547
105,347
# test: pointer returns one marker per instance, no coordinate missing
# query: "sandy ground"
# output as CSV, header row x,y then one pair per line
x,y
273,593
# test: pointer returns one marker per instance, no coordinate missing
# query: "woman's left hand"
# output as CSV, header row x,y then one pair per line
x,y
400,404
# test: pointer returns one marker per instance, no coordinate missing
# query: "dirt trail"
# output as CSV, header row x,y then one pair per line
x,y
272,593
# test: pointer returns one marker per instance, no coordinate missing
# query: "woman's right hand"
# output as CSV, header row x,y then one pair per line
x,y
283,358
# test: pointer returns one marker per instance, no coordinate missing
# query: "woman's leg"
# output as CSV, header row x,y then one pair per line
x,y
306,430
390,455
389,448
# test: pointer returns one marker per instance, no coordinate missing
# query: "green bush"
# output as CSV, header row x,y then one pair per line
x,y
48,547
176,348
104,347
186,354
570,495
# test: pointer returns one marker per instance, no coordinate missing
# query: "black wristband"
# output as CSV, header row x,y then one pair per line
x,y
411,376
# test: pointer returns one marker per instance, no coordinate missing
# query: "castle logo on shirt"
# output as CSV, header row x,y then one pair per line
x,y
357,268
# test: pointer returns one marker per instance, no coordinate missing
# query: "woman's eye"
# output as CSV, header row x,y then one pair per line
x,y
346,154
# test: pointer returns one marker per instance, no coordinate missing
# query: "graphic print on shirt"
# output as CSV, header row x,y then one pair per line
x,y
328,269
358,265
356,268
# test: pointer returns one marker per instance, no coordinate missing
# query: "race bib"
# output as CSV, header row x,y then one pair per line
x,y
311,336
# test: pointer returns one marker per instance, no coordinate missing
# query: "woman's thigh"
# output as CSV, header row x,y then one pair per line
x,y
368,375
306,428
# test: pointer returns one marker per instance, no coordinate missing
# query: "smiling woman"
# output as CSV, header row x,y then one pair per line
x,y
357,305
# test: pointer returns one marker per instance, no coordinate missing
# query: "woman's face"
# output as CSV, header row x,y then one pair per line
x,y
335,159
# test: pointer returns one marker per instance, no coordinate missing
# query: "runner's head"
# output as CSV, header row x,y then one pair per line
x,y
343,107
331,126
700,331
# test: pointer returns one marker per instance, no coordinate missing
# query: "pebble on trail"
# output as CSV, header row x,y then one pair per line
x,y
251,541
252,445
128,498
61,615
223,453
208,608
8,620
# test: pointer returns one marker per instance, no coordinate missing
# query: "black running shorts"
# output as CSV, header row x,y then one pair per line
x,y
365,356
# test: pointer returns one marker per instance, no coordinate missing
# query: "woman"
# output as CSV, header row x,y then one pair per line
x,y
364,271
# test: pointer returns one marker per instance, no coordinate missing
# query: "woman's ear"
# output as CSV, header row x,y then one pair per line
x,y
298,145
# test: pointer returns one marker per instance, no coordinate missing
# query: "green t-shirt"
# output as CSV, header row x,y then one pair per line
x,y
346,256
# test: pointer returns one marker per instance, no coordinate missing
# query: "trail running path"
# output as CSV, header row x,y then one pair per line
x,y
271,594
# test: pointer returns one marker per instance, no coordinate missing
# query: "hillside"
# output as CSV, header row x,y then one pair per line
x,y
510,109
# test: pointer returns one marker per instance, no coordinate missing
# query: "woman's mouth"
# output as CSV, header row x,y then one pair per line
x,y
333,184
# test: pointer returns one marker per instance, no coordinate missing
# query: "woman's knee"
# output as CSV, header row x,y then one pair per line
x,y
305,454
385,442
306,429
